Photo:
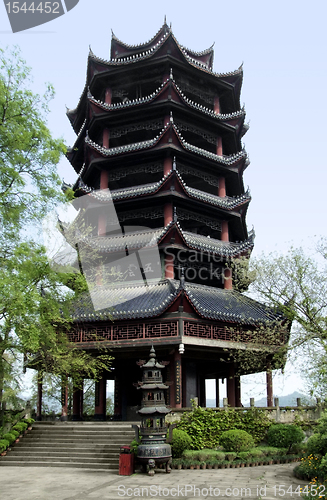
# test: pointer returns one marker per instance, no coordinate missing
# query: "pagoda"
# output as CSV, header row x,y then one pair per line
x,y
159,135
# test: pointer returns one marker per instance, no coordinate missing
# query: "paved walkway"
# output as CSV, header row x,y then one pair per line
x,y
269,482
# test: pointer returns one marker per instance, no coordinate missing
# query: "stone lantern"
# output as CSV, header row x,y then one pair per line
x,y
153,449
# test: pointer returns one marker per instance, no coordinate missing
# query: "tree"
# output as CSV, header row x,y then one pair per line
x,y
34,299
296,284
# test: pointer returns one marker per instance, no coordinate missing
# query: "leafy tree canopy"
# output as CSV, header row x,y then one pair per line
x,y
34,299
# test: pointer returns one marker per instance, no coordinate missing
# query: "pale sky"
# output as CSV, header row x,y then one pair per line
x,y
282,45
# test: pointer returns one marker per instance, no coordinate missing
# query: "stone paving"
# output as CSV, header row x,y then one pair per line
x,y
269,482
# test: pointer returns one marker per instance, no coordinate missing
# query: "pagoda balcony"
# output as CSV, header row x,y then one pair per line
x,y
111,335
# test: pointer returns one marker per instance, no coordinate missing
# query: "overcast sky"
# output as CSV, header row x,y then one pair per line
x,y
283,47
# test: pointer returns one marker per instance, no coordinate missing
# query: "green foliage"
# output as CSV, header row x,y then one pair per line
x,y
29,421
317,444
4,444
15,433
236,440
288,282
181,441
284,435
230,456
205,426
134,446
9,437
20,427
308,467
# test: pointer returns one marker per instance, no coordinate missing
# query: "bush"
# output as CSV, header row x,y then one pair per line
x,y
236,440
9,437
180,442
20,427
29,421
284,435
4,444
317,444
308,468
15,433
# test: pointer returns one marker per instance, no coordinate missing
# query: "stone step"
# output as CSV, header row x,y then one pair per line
x,y
63,454
78,465
78,445
47,458
88,440
64,449
64,446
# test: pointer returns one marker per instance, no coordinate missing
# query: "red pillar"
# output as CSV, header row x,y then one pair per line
x,y
216,106
64,399
231,385
39,398
219,149
77,403
108,96
224,231
222,187
217,392
178,379
117,399
168,165
269,382
100,399
238,402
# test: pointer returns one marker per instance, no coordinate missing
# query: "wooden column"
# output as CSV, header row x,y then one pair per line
x,y
238,402
108,96
117,399
78,403
219,146
231,385
100,399
216,106
39,397
269,383
222,187
64,399
224,231
217,392
168,165
178,379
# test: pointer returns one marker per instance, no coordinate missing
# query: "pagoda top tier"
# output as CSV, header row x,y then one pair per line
x,y
120,49
165,49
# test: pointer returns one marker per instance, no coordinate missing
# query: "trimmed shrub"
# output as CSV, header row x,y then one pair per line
x,y
317,444
9,437
4,444
180,442
230,456
284,435
255,453
236,440
244,455
20,427
15,433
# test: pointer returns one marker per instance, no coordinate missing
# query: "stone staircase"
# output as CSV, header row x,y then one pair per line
x,y
91,445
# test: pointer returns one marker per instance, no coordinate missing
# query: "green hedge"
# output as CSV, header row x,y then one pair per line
x,y
205,426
